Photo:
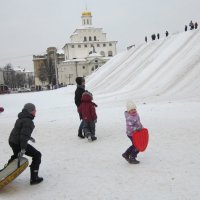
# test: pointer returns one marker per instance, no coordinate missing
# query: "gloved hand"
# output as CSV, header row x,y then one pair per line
x,y
22,152
32,139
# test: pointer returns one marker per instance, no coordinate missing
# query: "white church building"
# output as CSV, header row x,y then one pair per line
x,y
87,50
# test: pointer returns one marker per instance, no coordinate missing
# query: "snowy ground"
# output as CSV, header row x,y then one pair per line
x,y
167,96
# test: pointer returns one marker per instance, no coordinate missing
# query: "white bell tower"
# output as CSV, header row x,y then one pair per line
x,y
86,18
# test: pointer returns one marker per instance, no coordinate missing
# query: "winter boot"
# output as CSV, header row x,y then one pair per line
x,y
132,160
93,138
124,155
81,136
89,136
35,179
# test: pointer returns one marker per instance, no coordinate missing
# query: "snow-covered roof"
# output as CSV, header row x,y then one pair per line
x,y
75,60
60,51
19,69
95,55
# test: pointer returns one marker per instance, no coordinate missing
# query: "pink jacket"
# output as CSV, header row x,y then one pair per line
x,y
132,123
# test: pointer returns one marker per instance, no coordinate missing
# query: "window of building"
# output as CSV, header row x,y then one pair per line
x,y
92,68
102,53
96,66
110,53
104,45
110,44
96,60
85,45
72,46
90,38
79,46
98,45
85,39
83,67
87,21
95,38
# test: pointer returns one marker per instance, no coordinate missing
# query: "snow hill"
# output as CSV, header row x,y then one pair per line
x,y
166,67
162,77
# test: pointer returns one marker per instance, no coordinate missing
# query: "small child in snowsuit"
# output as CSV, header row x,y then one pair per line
x,y
132,124
19,137
89,116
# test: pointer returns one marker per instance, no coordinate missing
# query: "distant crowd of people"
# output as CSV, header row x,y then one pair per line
x,y
157,36
191,25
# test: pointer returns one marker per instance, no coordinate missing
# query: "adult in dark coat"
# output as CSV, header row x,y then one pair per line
x,y
185,27
78,95
196,25
191,24
19,137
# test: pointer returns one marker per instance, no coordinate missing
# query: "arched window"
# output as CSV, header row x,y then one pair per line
x,y
110,53
90,38
95,38
85,39
92,68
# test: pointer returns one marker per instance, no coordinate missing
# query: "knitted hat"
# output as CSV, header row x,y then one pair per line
x,y
130,105
79,80
29,107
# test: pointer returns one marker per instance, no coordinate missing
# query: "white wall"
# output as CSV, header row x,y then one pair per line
x,y
1,77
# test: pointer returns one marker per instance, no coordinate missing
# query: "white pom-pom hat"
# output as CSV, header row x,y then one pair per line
x,y
130,105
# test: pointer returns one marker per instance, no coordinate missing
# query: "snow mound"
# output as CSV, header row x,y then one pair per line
x,y
166,67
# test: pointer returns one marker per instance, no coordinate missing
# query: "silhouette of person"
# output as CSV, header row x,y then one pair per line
x,y
195,25
158,36
153,37
166,33
145,38
185,27
191,24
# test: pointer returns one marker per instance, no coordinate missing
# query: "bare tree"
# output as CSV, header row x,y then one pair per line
x,y
43,74
7,74
51,71
19,80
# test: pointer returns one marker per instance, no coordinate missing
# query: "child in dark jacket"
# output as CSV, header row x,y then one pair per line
x,y
78,94
88,112
19,137
132,124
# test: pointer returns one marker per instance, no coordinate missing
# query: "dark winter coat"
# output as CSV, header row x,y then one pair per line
x,y
87,108
78,95
23,129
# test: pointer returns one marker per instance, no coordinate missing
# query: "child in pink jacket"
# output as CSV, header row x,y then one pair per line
x,y
132,124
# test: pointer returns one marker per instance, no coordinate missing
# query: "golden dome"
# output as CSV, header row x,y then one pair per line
x,y
86,14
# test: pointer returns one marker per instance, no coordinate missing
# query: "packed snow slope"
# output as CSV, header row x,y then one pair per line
x,y
162,77
166,67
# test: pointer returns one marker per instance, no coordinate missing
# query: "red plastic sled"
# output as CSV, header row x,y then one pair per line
x,y
1,109
140,139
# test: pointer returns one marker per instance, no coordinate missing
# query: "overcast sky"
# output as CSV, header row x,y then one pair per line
x,y
29,27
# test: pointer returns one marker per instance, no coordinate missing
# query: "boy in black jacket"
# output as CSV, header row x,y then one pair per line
x,y
19,137
78,94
